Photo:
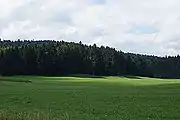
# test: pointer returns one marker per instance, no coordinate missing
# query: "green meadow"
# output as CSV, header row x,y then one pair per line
x,y
89,98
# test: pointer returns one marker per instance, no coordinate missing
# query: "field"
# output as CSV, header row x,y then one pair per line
x,y
89,98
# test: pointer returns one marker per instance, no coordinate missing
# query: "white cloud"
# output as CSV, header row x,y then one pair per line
x,y
7,6
141,26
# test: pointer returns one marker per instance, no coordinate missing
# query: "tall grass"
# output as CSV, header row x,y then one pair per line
x,y
35,115
14,115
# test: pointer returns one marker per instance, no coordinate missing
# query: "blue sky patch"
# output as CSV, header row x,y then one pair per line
x,y
143,29
97,1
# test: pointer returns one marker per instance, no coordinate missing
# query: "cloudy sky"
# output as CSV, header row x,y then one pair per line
x,y
138,26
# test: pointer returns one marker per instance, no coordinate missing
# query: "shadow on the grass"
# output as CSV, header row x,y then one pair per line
x,y
94,76
85,76
14,80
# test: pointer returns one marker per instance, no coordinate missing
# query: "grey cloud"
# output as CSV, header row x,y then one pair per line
x,y
173,44
60,17
98,31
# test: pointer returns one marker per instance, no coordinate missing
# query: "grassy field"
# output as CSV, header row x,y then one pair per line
x,y
89,98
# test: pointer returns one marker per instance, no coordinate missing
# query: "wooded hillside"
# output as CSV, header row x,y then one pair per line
x,y
52,58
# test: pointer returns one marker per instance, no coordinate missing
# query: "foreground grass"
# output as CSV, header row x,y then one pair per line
x,y
86,98
14,115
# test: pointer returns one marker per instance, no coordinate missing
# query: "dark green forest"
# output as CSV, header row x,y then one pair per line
x,y
56,58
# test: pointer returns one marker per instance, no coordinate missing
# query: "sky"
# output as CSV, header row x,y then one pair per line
x,y
138,26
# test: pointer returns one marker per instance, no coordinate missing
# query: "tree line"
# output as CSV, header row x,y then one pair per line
x,y
55,58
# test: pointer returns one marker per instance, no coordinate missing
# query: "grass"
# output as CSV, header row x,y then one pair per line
x,y
89,98
14,115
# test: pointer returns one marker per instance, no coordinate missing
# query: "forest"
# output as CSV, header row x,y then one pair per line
x,y
58,58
